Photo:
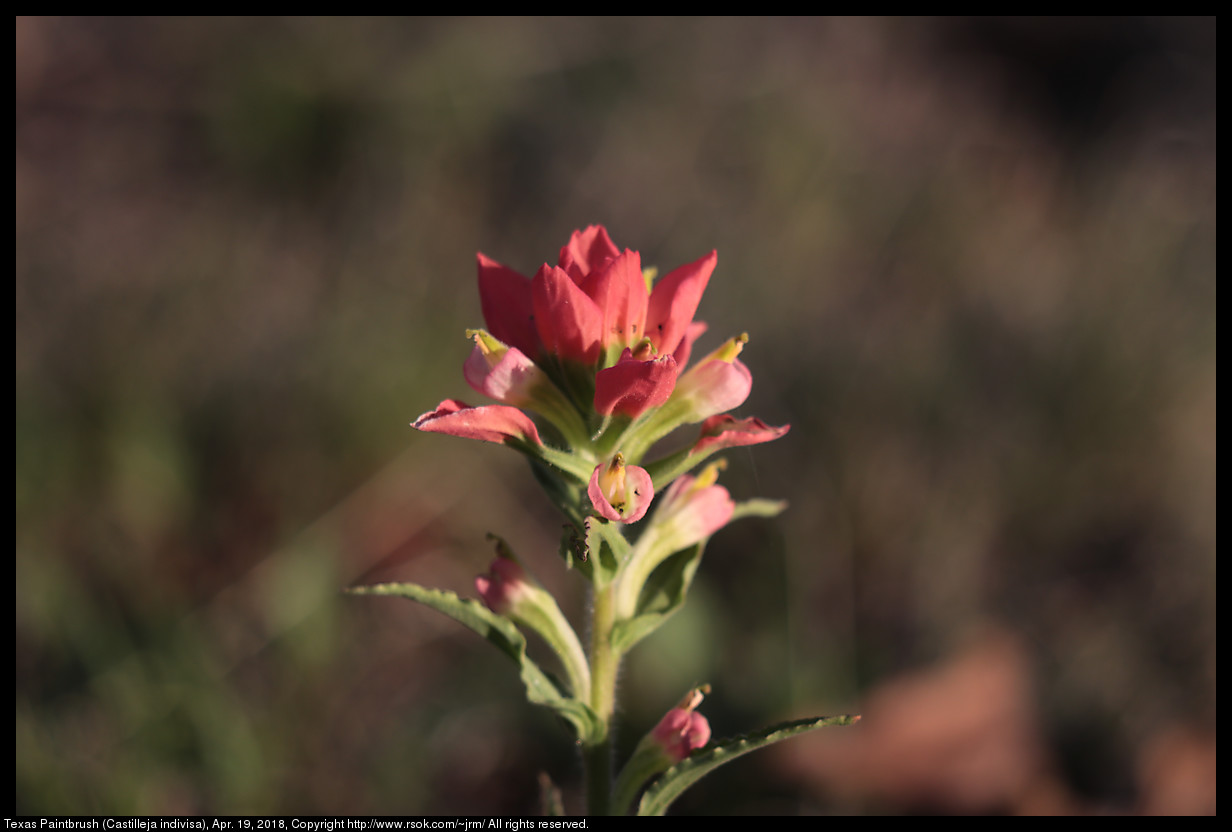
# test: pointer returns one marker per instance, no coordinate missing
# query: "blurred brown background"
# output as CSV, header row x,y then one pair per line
x,y
976,258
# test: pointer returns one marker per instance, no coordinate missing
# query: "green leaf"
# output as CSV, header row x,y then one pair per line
x,y
541,688
663,593
664,791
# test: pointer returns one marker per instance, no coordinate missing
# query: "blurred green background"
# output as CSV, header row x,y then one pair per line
x,y
976,259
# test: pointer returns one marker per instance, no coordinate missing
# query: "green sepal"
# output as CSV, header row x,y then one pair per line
x,y
541,687
565,462
664,791
663,593
606,547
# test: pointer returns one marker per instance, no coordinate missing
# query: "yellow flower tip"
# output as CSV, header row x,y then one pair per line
x,y
709,475
649,274
732,348
612,482
491,348
644,350
693,698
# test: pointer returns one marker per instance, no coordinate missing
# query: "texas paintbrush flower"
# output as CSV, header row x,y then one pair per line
x,y
589,362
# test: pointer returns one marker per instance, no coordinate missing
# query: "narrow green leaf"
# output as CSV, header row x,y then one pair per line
x,y
663,593
541,688
664,791
758,507
565,461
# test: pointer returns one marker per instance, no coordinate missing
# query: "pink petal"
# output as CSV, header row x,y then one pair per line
x,y
681,732
694,513
586,251
569,323
632,387
726,431
619,290
674,302
508,309
716,386
492,423
508,381
635,493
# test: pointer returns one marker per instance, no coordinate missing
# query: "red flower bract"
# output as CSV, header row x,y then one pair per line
x,y
631,387
491,423
726,431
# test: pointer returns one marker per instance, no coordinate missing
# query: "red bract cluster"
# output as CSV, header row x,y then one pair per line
x,y
594,299
600,352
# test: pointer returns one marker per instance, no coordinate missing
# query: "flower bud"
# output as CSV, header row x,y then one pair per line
x,y
682,730
504,587
679,733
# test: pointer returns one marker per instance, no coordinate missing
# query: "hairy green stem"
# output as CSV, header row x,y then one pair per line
x,y
604,664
